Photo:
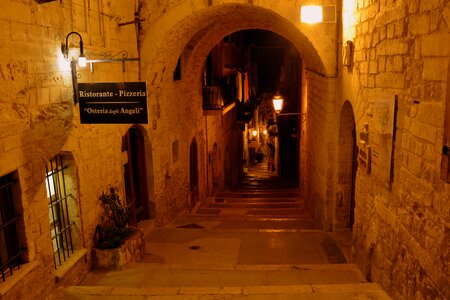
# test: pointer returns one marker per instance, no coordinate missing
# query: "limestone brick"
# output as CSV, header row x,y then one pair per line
x,y
436,44
373,67
382,63
446,14
424,131
435,69
392,47
390,32
397,63
419,24
15,11
390,80
431,113
430,4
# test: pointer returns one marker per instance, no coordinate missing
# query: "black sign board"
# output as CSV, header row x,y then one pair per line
x,y
113,103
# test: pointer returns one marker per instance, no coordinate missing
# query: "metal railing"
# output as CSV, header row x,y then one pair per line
x,y
10,251
60,224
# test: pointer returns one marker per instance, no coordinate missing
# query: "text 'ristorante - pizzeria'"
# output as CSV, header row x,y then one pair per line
x,y
109,94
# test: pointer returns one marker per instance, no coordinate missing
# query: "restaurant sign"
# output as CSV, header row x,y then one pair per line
x,y
113,103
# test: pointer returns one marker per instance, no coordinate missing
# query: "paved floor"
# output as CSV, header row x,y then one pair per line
x,y
255,242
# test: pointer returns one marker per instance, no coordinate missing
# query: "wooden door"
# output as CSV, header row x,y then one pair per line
x,y
136,175
193,174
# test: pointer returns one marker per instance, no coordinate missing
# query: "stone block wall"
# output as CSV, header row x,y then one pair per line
x,y
318,145
39,121
401,230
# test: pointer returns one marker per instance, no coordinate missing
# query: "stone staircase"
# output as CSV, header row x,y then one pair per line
x,y
254,242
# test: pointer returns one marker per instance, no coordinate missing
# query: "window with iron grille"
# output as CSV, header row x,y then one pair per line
x,y
11,250
63,210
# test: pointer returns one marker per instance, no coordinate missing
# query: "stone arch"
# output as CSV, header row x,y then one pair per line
x,y
346,170
191,29
194,35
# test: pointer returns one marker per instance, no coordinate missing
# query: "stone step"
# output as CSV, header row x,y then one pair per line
x,y
259,194
241,213
260,205
352,291
258,200
148,274
250,224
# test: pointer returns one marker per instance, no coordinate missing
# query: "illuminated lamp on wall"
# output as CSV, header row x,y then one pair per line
x,y
254,133
65,49
314,14
311,14
81,59
277,103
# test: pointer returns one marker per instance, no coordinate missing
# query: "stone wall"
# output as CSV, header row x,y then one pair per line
x,y
401,232
39,121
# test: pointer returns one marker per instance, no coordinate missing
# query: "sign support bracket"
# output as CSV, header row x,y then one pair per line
x,y
91,62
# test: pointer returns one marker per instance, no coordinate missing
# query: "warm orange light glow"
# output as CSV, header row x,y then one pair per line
x,y
311,14
82,61
277,103
254,132
265,131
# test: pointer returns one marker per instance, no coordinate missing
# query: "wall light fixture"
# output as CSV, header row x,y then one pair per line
x,y
65,49
311,14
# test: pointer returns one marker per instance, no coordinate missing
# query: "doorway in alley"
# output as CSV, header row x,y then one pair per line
x,y
135,174
193,174
215,166
246,69
347,167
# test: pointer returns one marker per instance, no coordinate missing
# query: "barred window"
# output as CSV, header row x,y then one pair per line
x,y
11,250
63,209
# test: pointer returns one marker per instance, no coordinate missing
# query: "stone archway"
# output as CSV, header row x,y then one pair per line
x,y
347,166
187,32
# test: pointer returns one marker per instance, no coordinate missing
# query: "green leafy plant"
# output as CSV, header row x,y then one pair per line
x,y
114,228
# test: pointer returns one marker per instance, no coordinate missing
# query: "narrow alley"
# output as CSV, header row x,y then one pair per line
x,y
257,241
224,149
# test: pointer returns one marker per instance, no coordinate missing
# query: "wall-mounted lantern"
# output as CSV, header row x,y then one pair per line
x,y
311,14
81,59
277,103
278,106
65,49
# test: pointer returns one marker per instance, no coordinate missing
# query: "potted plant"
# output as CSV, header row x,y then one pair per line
x,y
116,243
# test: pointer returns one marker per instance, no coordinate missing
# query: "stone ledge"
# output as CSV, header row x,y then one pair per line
x,y
18,275
69,264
